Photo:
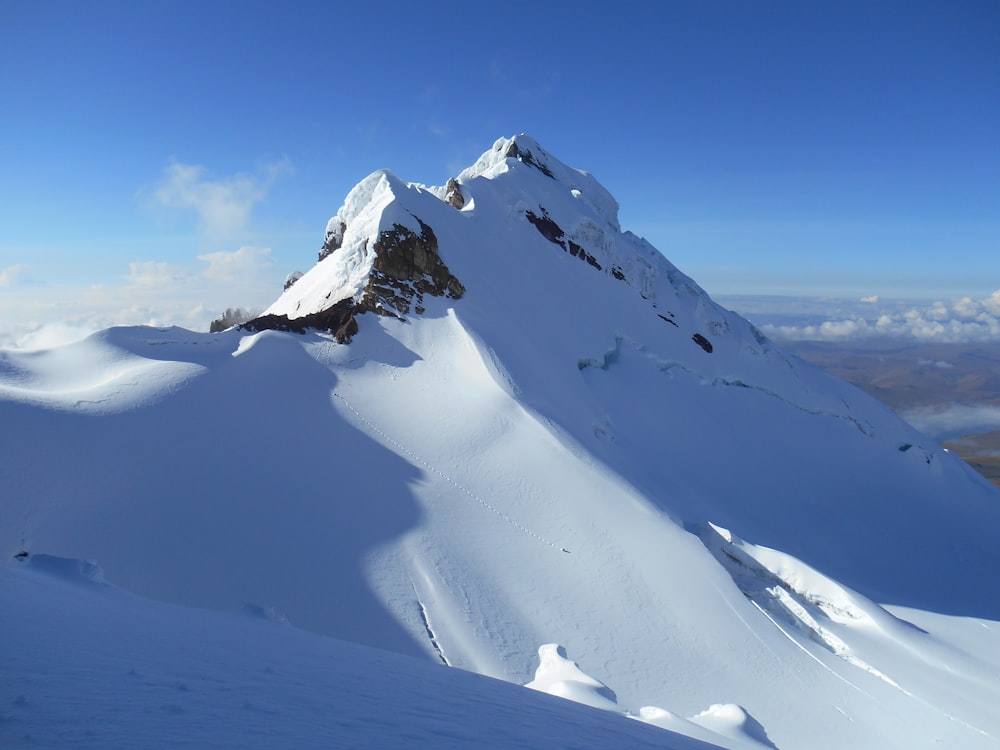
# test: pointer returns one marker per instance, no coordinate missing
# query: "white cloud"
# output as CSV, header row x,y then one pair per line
x,y
954,420
223,206
154,273
938,311
967,307
873,300
151,293
992,303
188,293
958,321
11,274
438,129
236,264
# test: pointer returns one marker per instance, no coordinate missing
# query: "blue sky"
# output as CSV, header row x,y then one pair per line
x,y
164,160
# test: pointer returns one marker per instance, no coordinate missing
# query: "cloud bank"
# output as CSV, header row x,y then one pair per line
x,y
40,309
238,264
12,274
954,420
964,320
152,292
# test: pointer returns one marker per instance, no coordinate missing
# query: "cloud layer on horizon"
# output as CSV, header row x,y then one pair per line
x,y
954,420
13,274
963,320
44,307
152,293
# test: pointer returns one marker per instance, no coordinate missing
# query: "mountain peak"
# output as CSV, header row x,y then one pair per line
x,y
524,150
381,251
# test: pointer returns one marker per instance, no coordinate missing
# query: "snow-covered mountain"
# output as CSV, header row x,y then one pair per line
x,y
508,425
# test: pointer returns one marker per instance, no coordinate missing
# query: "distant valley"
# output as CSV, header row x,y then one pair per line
x,y
951,392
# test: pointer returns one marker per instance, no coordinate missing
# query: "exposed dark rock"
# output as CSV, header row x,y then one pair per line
x,y
671,322
407,267
554,233
701,341
453,194
548,228
618,273
578,252
292,278
333,241
338,320
231,317
525,157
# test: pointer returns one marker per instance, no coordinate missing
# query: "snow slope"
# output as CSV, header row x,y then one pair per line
x,y
87,665
582,450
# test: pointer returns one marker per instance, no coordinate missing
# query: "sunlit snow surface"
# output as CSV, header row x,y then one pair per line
x,y
86,665
733,544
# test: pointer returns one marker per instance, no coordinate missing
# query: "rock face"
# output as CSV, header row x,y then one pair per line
x,y
453,194
407,267
338,319
554,233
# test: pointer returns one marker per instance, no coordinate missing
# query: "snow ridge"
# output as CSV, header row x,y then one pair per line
x,y
777,583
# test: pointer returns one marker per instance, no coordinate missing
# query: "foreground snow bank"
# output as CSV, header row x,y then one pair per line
x,y
87,665
726,725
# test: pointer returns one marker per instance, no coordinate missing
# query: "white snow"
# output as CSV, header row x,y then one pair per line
x,y
86,665
90,376
724,725
559,676
730,536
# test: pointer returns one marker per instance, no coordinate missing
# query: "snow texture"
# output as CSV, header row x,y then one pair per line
x,y
87,665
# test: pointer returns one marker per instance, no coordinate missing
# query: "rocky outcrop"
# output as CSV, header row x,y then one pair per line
x,y
231,317
669,319
702,342
337,319
407,268
453,194
554,233
526,157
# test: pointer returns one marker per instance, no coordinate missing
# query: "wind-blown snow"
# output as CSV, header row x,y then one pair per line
x,y
583,450
559,676
90,376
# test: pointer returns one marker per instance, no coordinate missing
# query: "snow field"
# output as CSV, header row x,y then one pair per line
x,y
87,665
